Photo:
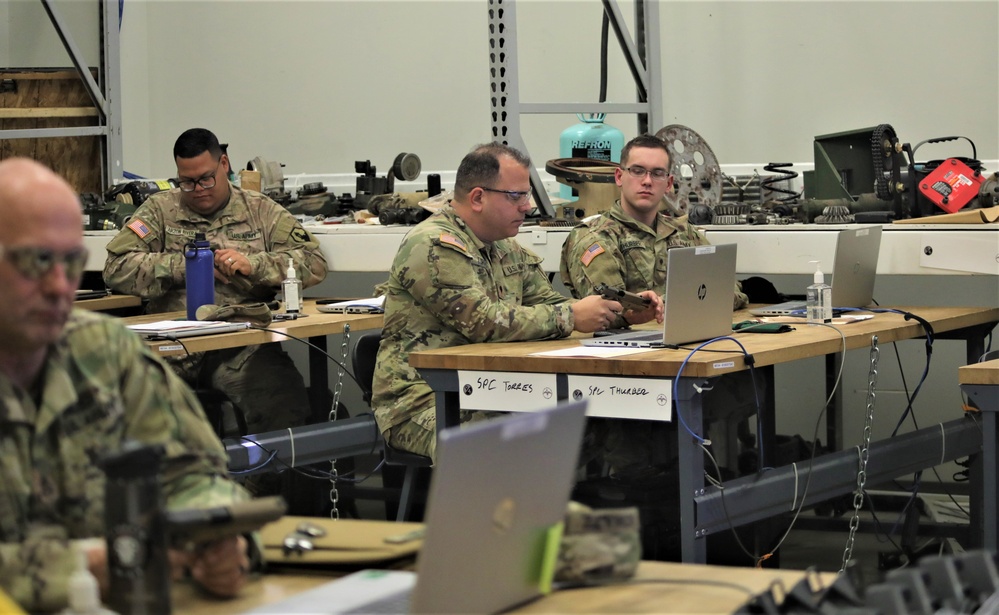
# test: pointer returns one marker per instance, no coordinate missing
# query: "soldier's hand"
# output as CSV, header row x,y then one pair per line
x,y
221,567
594,313
229,262
655,310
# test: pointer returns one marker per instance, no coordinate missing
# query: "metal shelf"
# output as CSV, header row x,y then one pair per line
x,y
105,95
644,62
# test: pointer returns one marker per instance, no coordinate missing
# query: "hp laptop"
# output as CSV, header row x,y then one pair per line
x,y
176,329
497,490
855,267
700,284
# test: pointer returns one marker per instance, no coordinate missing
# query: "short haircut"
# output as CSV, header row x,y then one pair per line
x,y
481,167
196,141
646,140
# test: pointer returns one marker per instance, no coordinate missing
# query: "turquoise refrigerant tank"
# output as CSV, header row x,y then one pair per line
x,y
591,138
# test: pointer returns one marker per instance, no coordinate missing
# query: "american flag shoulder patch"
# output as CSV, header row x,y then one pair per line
x,y
591,253
138,227
450,239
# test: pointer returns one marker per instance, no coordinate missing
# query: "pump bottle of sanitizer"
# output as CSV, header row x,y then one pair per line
x,y
292,288
818,297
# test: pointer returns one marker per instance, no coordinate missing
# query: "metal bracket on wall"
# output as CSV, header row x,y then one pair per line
x,y
643,58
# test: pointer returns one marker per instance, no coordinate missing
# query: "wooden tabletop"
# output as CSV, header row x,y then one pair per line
x,y
979,373
661,587
767,349
110,302
314,324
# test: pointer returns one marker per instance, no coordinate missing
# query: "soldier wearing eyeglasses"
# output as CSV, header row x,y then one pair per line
x,y
252,238
627,247
74,386
459,278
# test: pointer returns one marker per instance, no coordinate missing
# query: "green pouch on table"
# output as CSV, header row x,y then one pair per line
x,y
750,326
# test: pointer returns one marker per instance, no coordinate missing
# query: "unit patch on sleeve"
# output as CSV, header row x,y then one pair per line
x,y
591,253
138,227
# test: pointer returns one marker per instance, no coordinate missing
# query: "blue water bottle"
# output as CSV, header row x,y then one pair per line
x,y
200,274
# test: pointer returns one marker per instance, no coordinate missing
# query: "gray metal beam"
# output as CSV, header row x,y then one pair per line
x,y
302,446
75,56
780,491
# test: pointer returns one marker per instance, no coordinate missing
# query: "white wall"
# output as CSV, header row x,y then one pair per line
x,y
319,84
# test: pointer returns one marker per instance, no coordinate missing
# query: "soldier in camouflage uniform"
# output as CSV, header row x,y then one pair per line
x,y
253,237
75,386
458,278
627,247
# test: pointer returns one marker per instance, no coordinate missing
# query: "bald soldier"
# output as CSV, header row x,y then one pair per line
x,y
74,386
252,237
458,278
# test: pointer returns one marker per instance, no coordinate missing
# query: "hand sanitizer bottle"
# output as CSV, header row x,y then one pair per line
x,y
818,297
292,288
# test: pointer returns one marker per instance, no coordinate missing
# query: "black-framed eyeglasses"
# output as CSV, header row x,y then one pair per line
x,y
34,263
207,182
658,175
517,197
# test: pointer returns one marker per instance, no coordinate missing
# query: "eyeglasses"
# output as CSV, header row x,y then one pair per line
x,y
206,182
517,197
34,263
658,175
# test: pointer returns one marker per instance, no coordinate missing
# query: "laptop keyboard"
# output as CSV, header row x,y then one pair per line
x,y
394,604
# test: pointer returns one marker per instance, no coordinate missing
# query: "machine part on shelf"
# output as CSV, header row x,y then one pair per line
x,y
696,173
98,214
809,210
918,203
757,218
700,214
952,185
988,195
886,152
405,166
741,189
874,217
592,180
399,207
835,214
271,175
778,184
311,189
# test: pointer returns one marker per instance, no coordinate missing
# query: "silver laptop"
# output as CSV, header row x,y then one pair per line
x,y
855,267
177,329
497,490
700,287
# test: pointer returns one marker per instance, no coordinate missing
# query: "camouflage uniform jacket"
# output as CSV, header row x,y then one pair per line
x,y
147,257
448,288
618,250
100,386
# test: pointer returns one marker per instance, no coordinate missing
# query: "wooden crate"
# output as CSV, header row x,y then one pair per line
x,y
52,98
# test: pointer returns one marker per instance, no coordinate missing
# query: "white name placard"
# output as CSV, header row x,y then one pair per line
x,y
506,391
625,398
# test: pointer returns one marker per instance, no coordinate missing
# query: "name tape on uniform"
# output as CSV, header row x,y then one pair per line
x,y
506,391
625,398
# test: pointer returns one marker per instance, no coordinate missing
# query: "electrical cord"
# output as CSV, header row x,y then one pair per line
x,y
311,345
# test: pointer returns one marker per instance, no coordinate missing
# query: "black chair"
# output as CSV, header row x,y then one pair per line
x,y
417,467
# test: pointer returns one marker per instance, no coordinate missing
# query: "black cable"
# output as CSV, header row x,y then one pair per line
x,y
311,345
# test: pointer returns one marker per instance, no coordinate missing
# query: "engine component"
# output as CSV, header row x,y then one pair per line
x,y
886,154
405,166
774,185
835,214
697,176
951,185
271,175
591,180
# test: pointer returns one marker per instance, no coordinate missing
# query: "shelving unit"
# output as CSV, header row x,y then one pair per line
x,y
644,62
103,92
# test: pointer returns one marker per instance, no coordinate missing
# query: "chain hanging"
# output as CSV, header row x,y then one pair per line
x,y
858,495
337,389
